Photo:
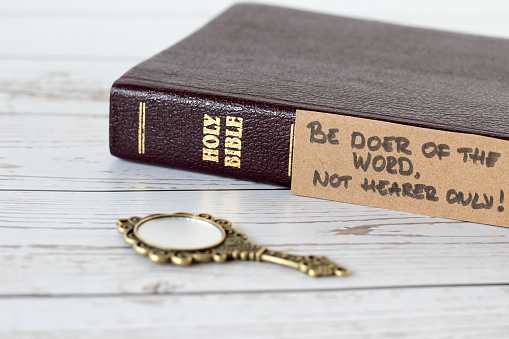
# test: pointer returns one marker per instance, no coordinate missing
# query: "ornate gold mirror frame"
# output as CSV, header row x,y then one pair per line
x,y
184,238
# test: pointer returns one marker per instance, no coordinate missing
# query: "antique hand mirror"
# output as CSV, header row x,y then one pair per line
x,y
184,238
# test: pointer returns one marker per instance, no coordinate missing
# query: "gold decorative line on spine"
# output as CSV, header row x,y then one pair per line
x,y
290,155
143,132
140,120
141,129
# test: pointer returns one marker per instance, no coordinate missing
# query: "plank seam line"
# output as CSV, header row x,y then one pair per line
x,y
202,293
130,191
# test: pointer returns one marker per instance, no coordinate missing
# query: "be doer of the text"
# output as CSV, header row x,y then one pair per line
x,y
394,156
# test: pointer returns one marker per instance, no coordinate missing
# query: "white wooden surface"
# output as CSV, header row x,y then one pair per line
x,y
65,272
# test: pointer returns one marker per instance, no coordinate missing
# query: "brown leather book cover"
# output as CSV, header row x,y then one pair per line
x,y
223,100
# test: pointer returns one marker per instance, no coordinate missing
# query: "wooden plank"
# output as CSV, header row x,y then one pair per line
x,y
58,86
71,153
61,243
440,312
94,36
109,7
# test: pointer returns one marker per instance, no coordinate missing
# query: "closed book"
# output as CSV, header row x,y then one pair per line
x,y
224,100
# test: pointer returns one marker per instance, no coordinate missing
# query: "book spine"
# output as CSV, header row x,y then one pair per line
x,y
220,135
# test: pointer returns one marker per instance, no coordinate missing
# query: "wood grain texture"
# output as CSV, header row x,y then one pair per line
x,y
68,244
392,313
66,272
58,87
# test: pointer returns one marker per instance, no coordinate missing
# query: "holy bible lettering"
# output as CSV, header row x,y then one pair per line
x,y
232,141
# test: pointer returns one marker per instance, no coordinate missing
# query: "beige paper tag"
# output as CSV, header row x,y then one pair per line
x,y
452,175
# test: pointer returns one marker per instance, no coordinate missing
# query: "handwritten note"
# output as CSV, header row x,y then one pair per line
x,y
452,175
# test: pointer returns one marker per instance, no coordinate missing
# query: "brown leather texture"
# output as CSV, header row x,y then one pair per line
x,y
264,62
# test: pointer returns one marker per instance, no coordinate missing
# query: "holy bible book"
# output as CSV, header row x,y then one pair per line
x,y
225,100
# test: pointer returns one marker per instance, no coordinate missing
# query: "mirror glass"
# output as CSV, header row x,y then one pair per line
x,y
180,233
